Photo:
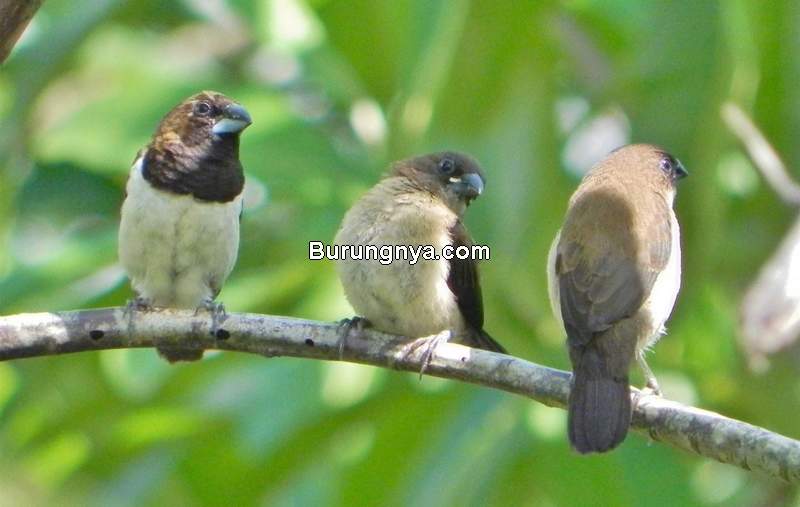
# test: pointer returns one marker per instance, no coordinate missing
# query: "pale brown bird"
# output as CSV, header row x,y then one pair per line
x,y
614,273
420,202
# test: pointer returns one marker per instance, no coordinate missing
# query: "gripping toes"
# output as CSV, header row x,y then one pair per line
x,y
429,345
347,327
218,315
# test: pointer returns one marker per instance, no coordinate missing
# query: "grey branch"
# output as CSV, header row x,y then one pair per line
x,y
14,17
688,428
763,154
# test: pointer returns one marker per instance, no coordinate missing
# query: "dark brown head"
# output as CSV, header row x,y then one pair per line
x,y
200,119
195,149
453,177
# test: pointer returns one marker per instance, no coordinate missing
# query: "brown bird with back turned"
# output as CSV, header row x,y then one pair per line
x,y
420,202
614,273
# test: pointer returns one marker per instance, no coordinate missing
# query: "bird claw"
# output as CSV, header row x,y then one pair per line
x,y
649,391
430,344
347,327
137,304
651,386
643,393
217,312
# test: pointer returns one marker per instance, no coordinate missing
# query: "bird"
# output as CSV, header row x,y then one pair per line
x,y
614,273
420,202
179,226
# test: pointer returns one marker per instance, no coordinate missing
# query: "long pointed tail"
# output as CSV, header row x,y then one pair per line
x,y
482,340
599,402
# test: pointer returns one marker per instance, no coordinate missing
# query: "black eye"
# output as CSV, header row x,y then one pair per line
x,y
202,109
667,164
672,167
447,166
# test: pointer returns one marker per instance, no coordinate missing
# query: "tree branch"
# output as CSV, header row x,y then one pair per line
x,y
764,156
688,428
14,17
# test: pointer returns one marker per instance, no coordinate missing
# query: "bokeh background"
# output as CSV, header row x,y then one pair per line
x,y
536,90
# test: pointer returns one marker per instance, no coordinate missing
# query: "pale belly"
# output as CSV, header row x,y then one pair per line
x,y
399,298
407,300
665,291
177,251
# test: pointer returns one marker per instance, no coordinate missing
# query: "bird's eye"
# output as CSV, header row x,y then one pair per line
x,y
447,166
673,168
667,164
202,109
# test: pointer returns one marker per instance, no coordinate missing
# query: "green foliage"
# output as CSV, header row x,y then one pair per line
x,y
337,90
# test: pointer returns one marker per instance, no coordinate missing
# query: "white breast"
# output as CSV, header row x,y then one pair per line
x,y
666,287
177,250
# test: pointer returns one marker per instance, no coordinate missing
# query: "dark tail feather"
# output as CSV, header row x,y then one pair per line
x,y
482,340
175,355
599,403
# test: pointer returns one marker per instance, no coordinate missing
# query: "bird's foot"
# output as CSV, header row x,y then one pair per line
x,y
650,390
218,316
651,386
645,393
347,327
137,304
429,345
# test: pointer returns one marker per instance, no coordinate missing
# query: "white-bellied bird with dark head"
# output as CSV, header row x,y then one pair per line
x,y
614,271
179,232
421,201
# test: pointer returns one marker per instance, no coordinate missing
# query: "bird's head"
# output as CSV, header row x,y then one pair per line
x,y
195,148
453,177
203,118
646,161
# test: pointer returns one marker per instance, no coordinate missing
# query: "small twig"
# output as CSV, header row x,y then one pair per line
x,y
14,17
764,156
688,428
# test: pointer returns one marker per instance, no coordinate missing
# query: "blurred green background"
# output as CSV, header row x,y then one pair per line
x,y
536,90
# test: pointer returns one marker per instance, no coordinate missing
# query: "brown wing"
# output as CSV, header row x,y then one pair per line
x,y
606,272
463,280
464,284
